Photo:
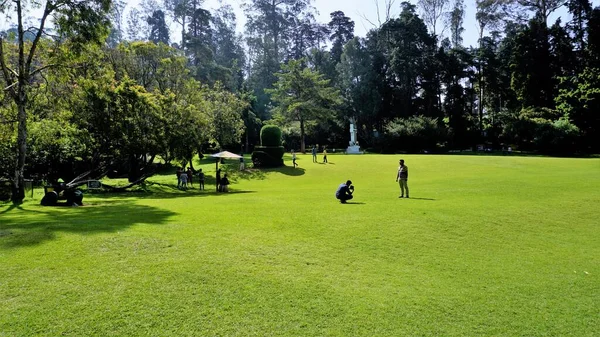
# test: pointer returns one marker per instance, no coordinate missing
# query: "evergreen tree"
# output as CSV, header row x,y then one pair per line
x,y
342,31
159,32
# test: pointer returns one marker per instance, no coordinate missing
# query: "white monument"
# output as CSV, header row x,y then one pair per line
x,y
353,148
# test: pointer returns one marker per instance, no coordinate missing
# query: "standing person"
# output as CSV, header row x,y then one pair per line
x,y
190,176
324,155
294,158
218,180
402,177
314,154
242,164
183,178
201,179
179,172
344,192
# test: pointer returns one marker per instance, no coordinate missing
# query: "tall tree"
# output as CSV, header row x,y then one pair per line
x,y
117,32
432,12
355,81
342,31
580,11
229,53
199,41
159,32
488,15
304,35
532,76
267,36
542,8
303,95
179,9
455,20
411,71
77,22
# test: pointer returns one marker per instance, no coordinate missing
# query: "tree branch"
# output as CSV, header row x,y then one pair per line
x,y
38,70
49,8
6,71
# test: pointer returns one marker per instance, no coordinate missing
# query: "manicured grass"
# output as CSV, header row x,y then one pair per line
x,y
486,246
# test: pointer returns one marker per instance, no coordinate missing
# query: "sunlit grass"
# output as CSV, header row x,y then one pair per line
x,y
487,246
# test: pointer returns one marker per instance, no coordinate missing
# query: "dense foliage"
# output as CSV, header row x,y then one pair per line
x,y
270,135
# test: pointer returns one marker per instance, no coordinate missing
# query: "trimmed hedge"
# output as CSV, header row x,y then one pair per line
x,y
268,156
270,135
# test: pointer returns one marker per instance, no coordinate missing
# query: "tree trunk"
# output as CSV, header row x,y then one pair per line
x,y
20,98
183,32
192,164
19,181
134,168
302,135
247,142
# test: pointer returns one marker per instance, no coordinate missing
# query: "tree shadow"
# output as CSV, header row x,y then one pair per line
x,y
11,207
250,174
290,170
261,174
21,230
170,191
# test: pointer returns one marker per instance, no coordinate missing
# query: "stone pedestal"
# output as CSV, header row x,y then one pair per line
x,y
353,149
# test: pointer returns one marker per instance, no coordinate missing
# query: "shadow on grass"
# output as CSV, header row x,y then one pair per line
x,y
169,191
10,208
261,174
429,199
354,203
24,229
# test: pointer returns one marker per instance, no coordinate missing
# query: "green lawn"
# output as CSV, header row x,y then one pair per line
x,y
487,246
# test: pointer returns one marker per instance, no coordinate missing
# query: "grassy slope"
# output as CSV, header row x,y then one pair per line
x,y
492,246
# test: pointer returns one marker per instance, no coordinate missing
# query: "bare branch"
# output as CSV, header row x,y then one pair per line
x,y
364,17
10,86
377,9
47,11
6,71
38,70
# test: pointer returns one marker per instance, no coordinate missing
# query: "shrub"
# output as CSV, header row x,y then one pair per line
x,y
266,156
559,137
413,134
270,135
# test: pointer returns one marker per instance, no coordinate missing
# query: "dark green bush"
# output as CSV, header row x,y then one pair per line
x,y
412,134
264,156
270,135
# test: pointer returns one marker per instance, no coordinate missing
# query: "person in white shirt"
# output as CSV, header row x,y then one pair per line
x,y
294,158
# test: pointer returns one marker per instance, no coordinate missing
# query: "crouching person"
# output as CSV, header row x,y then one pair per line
x,y
344,192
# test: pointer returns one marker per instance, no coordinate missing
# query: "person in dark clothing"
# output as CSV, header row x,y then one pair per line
x,y
201,179
225,184
218,180
190,176
179,173
344,192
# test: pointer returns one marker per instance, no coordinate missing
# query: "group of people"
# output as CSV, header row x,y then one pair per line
x,y
345,190
343,193
222,183
186,177
314,154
